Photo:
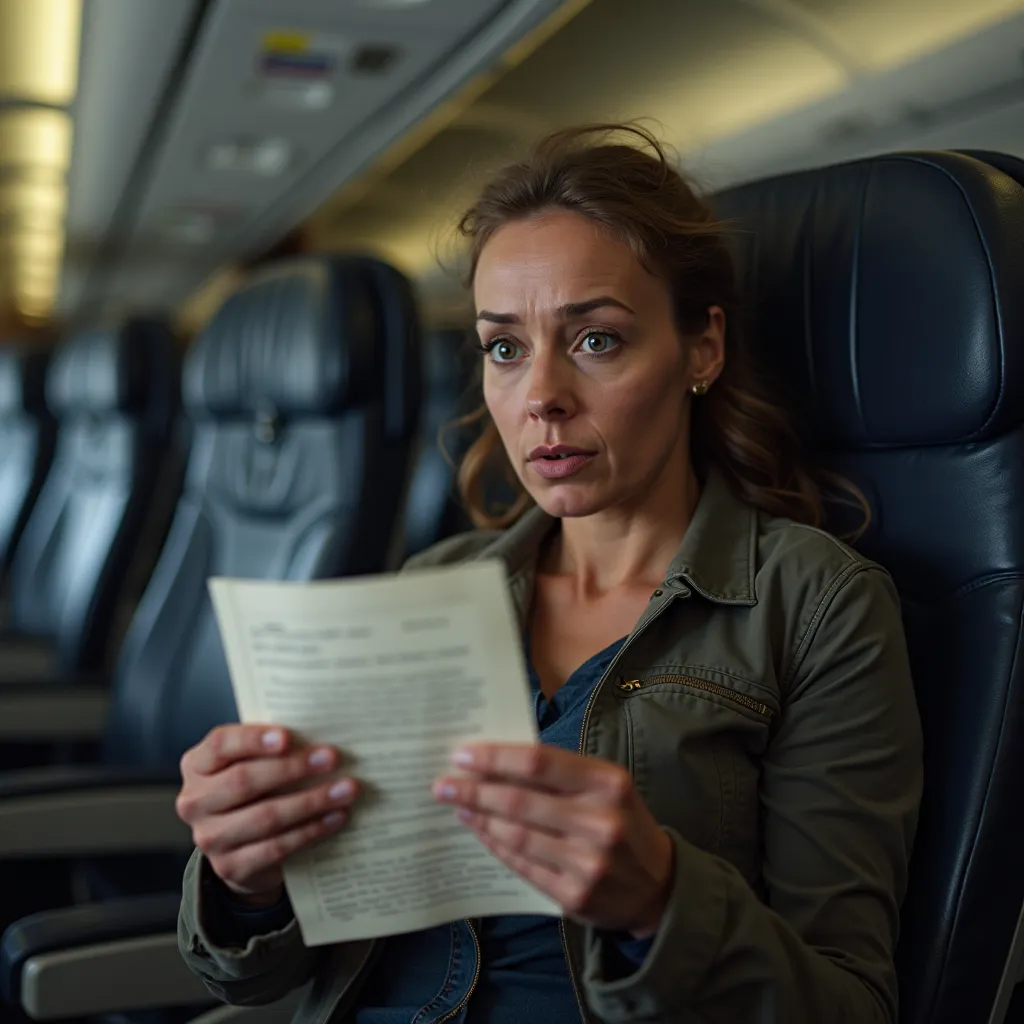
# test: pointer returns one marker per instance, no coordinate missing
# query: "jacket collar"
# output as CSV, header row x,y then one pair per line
x,y
716,557
718,554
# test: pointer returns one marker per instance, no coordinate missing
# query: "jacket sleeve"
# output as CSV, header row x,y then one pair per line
x,y
266,968
840,791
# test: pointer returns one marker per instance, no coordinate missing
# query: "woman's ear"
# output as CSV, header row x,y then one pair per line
x,y
707,350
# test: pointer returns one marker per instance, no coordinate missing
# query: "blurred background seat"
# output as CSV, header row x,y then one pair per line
x,y
26,448
114,395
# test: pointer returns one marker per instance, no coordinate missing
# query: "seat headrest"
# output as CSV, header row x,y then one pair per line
x,y
887,296
100,371
297,337
22,381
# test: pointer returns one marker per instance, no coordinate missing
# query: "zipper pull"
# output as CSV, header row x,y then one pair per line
x,y
628,685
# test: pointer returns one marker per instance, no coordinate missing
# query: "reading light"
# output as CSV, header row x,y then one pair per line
x,y
266,158
394,3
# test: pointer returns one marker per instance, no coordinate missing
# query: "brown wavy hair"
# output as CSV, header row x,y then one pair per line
x,y
619,176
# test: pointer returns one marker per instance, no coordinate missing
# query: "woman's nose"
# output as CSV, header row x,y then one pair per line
x,y
549,397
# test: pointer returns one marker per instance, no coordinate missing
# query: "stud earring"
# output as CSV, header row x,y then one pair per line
x,y
700,388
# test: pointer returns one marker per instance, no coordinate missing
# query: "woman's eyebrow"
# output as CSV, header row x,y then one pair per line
x,y
569,311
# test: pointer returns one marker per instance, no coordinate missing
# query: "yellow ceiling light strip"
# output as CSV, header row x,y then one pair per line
x,y
39,56
42,202
39,41
35,138
449,111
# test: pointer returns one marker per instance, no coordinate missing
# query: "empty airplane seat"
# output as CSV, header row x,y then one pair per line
x,y
113,393
432,507
886,306
26,443
291,422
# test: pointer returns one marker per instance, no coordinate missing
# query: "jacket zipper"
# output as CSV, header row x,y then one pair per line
x,y
759,708
583,736
569,970
472,985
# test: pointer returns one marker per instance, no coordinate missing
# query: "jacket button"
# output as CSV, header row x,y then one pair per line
x,y
657,593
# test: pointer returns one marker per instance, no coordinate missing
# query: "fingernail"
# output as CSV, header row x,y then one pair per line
x,y
446,791
463,757
463,814
272,739
334,819
340,790
320,758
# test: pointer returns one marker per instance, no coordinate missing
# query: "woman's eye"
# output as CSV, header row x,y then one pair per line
x,y
504,351
596,343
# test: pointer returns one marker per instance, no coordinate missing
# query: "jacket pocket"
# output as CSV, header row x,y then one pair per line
x,y
696,746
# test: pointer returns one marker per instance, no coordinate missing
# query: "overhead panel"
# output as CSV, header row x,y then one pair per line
x,y
282,103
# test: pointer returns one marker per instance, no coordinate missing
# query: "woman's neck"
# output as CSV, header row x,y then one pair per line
x,y
624,547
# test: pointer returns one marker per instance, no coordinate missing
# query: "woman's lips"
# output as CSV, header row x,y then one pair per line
x,y
560,468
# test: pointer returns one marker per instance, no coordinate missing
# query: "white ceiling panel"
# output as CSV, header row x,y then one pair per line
x,y
437,45
128,50
952,98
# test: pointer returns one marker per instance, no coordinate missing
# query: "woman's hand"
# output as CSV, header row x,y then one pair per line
x,y
572,826
232,797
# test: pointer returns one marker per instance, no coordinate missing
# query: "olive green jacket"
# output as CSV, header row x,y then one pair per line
x,y
764,706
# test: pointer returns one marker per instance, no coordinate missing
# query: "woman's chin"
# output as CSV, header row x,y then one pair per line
x,y
570,502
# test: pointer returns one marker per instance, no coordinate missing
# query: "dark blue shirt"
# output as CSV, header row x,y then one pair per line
x,y
422,977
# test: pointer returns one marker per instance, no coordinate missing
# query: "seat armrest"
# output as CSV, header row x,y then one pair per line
x,y
282,1012
48,711
25,657
101,958
87,811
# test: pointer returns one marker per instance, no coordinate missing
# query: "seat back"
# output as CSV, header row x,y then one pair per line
x,y
291,421
887,305
397,350
113,393
432,509
26,443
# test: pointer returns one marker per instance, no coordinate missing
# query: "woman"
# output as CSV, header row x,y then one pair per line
x,y
727,787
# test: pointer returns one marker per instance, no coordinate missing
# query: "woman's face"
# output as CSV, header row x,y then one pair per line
x,y
586,376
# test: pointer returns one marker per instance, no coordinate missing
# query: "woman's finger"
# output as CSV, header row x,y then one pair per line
x,y
246,781
242,864
536,808
227,744
560,853
274,817
546,767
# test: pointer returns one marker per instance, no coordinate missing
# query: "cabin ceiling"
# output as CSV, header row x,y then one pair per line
x,y
149,146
